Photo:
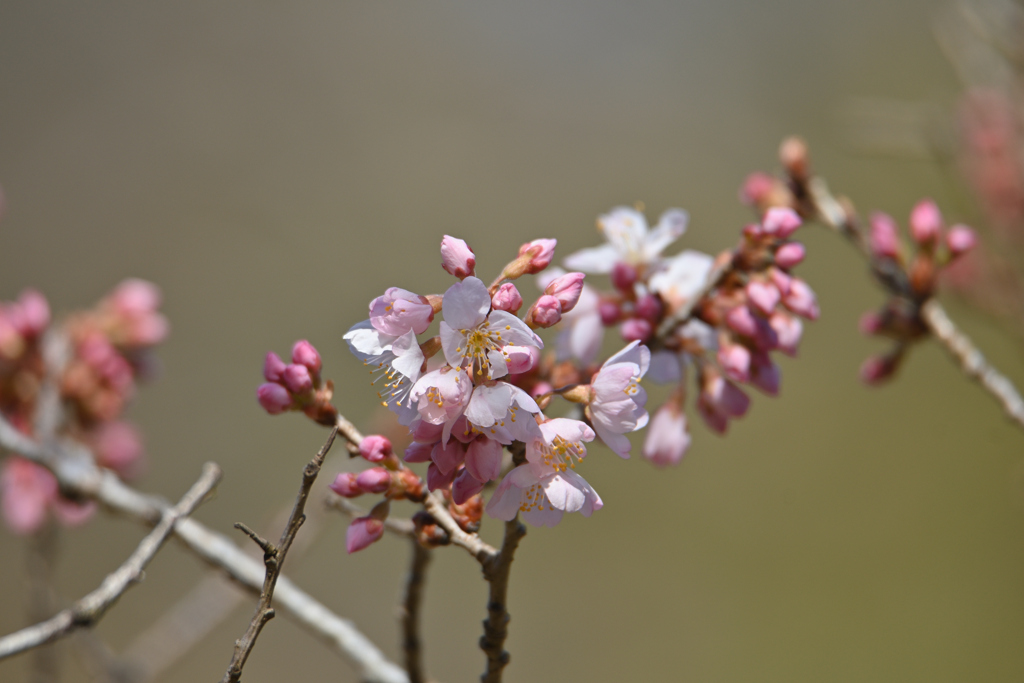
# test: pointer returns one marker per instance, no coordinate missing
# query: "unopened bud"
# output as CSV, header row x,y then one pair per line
x,y
297,379
735,362
801,300
465,487
305,354
274,398
790,255
374,480
925,222
375,447
35,313
273,367
418,451
877,369
567,289
623,277
961,239
741,320
540,253
610,312
636,329
788,331
781,221
457,258
545,313
649,307
345,485
764,296
363,532
757,189
884,240
436,479
507,298
793,155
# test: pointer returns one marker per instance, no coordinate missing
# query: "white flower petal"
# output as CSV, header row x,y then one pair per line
x,y
598,260
466,303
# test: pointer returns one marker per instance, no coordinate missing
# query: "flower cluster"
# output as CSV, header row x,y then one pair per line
x,y
297,385
108,350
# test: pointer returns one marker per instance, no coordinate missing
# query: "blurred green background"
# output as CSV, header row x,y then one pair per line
x,y
273,166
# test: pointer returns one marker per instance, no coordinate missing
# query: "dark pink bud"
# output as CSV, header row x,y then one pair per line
x,y
507,298
541,252
457,258
567,289
764,296
304,353
297,379
345,485
636,329
870,323
374,480
623,277
545,313
781,222
884,240
273,367
436,479
274,398
465,487
925,222
735,361
801,300
362,533
781,280
418,452
375,447
961,239
741,320
35,313
764,374
649,307
757,188
610,313
788,331
790,255
877,369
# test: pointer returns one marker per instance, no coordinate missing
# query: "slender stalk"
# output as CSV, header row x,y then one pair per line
x,y
409,611
496,571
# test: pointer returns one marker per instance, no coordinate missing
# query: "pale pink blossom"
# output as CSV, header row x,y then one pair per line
x,y
473,335
465,486
396,361
542,494
398,311
682,277
118,446
735,361
135,305
441,396
29,491
636,330
33,313
668,438
617,403
457,258
719,401
629,240
742,321
521,359
788,330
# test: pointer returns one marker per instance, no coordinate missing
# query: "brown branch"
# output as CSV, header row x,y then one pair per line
x,y
90,609
78,474
957,344
409,611
496,571
273,559
472,543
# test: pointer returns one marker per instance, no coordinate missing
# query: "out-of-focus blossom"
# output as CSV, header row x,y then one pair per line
x,y
629,240
29,491
925,222
617,403
668,438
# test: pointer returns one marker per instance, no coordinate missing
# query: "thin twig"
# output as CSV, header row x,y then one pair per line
x,y
410,611
273,559
90,609
496,571
930,312
397,526
972,361
77,473
472,543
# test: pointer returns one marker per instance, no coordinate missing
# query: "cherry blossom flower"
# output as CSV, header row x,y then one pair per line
x,y
682,277
397,360
473,335
667,436
617,399
629,240
542,494
29,491
398,311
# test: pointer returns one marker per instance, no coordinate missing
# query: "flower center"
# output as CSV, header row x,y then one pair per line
x,y
479,342
562,455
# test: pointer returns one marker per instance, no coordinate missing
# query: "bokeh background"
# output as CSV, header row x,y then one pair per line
x,y
273,166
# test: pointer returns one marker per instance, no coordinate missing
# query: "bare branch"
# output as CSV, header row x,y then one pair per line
x,y
90,609
76,472
472,543
496,571
409,611
273,559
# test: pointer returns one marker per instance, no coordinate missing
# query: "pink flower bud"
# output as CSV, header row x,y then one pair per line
x,y
363,532
399,310
418,452
884,240
457,258
735,361
801,300
436,479
790,255
35,313
781,222
274,398
610,313
545,313
118,446
636,329
304,353
375,447
521,358
507,298
877,369
757,188
465,487
27,490
273,367
541,252
667,437
567,289
297,379
870,323
764,296
345,485
742,321
623,277
781,280
374,480
649,307
961,239
925,222
136,297
764,374
788,331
